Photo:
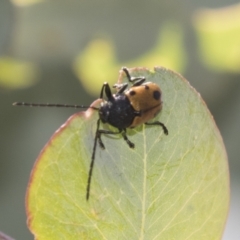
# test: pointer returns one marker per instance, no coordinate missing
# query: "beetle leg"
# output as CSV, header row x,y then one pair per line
x,y
124,134
123,131
165,130
102,131
121,87
100,140
107,89
136,81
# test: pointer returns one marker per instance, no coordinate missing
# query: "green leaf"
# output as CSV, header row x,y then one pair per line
x,y
168,187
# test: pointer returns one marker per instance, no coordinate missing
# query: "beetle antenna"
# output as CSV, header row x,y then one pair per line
x,y
51,105
92,162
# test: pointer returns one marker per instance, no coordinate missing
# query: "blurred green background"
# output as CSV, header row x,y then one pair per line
x,y
61,51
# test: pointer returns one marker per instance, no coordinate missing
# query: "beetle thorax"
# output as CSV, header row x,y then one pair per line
x,y
117,111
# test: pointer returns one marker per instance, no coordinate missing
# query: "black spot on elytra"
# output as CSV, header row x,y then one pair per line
x,y
156,95
146,87
132,93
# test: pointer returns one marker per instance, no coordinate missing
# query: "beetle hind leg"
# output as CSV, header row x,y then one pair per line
x,y
165,130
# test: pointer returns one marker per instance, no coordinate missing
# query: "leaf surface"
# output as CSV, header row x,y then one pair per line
x,y
168,187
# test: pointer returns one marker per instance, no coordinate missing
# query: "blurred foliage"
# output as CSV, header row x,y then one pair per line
x,y
25,2
96,65
218,33
98,62
169,51
17,74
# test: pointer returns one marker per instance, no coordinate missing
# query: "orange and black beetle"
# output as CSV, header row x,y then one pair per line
x,y
127,108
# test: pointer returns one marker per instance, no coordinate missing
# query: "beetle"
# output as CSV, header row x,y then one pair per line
x,y
129,107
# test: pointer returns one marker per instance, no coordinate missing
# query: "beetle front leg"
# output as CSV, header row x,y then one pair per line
x,y
107,89
102,131
124,134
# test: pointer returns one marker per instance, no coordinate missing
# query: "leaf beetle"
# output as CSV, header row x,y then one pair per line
x,y
127,108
